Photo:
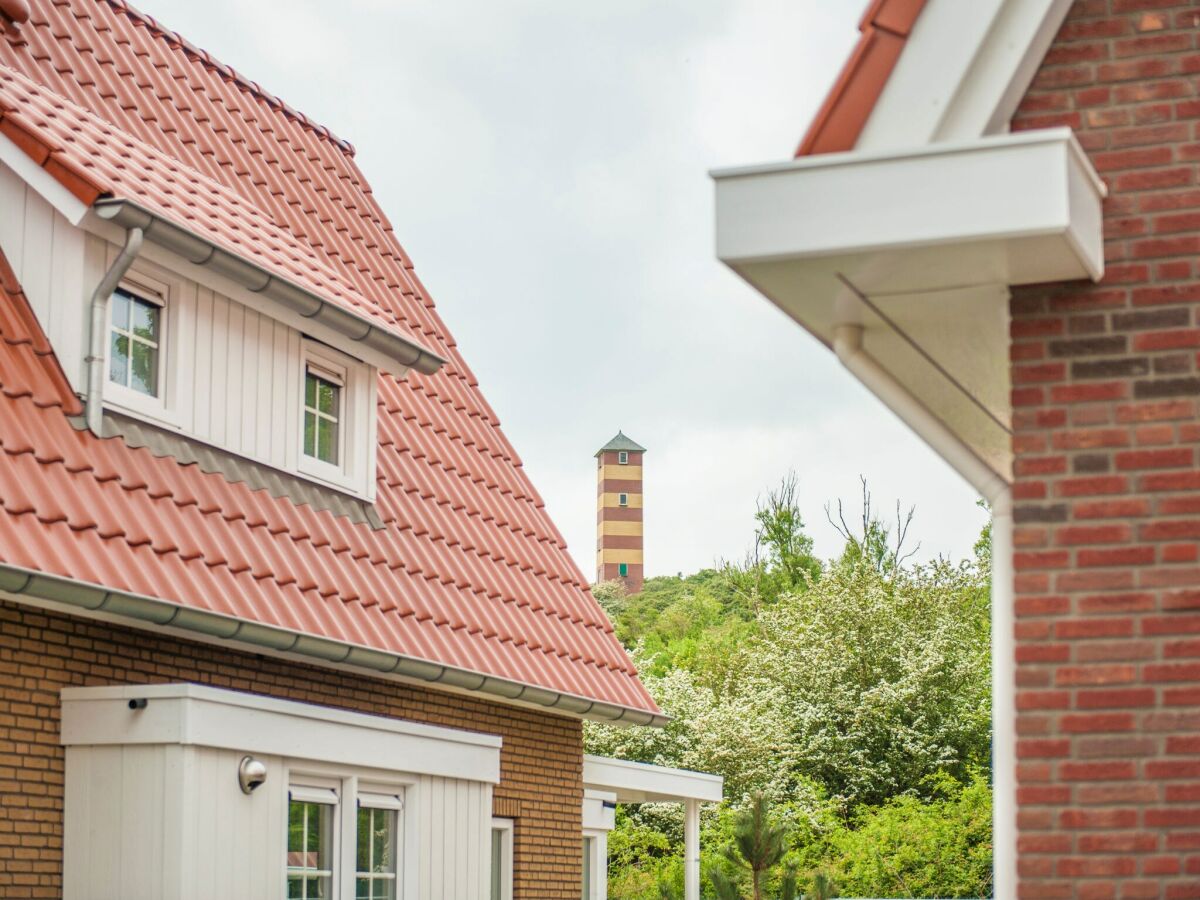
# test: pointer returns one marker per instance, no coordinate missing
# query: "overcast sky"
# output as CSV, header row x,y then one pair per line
x,y
545,164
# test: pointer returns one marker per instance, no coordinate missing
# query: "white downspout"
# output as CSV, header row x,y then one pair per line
x,y
848,345
98,336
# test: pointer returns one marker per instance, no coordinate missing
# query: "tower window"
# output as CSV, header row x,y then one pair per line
x,y
623,569
622,499
623,457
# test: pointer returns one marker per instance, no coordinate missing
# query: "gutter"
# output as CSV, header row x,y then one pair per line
x,y
137,610
98,336
199,251
848,345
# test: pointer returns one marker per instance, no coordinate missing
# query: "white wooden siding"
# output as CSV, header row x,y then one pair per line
x,y
47,255
454,821
233,375
168,822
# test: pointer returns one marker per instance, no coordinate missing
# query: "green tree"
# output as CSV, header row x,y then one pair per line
x,y
885,679
759,845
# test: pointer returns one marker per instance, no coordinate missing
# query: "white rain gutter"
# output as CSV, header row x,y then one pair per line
x,y
98,337
137,610
848,345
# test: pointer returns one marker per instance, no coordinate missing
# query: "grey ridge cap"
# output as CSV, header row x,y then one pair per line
x,y
202,252
142,611
188,451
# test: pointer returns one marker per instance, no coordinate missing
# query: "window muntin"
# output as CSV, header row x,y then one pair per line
x,y
375,855
623,457
135,342
322,415
309,850
622,499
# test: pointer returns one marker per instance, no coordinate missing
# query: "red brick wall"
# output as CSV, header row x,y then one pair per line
x,y
1105,392
541,762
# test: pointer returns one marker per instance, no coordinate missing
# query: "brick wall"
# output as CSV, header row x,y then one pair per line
x,y
1105,392
541,762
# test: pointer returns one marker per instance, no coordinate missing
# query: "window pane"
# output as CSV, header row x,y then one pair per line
x,y
376,875
310,390
120,310
381,842
145,320
328,398
308,860
327,440
497,862
145,368
118,359
310,434
364,840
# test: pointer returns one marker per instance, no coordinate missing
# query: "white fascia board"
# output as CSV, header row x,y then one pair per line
x,y
634,782
190,714
42,182
1008,195
962,72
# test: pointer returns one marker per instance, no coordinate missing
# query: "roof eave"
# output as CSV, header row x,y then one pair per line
x,y
406,353
138,610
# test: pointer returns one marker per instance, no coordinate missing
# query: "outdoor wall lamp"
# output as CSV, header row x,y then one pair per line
x,y
251,773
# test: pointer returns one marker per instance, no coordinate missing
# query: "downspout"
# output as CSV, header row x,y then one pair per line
x,y
98,337
848,345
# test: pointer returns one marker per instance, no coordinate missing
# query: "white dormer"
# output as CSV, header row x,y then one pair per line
x,y
218,353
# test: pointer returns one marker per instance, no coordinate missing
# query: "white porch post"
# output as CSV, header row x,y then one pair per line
x,y
691,850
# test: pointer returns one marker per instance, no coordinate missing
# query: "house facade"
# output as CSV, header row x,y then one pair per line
x,y
992,222
281,614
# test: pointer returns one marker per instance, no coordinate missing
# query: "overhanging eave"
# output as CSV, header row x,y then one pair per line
x,y
920,248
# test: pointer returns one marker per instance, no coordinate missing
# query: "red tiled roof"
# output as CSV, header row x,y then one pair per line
x,y
468,571
884,30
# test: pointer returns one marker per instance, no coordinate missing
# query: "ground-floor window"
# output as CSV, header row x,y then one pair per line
x,y
377,841
310,843
502,859
314,847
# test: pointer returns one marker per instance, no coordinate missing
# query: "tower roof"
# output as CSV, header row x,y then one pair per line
x,y
620,442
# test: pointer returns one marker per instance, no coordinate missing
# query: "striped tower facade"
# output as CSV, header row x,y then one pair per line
x,y
619,512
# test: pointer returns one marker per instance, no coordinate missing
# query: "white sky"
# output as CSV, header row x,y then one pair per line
x,y
545,164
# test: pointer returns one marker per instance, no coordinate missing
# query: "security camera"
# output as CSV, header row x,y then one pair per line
x,y
251,773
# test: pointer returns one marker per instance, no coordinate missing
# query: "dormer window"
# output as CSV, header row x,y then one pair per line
x,y
322,414
135,341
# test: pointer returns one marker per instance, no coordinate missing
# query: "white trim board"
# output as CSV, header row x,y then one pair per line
x,y
962,72
212,717
43,183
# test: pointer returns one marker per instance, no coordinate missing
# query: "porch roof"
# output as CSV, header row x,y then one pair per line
x,y
635,782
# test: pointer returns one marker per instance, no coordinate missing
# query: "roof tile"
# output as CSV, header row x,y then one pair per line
x,y
468,570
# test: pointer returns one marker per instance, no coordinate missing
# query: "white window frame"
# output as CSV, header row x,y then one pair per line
x,y
163,294
505,828
622,499
349,374
324,792
388,800
594,847
622,457
355,787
